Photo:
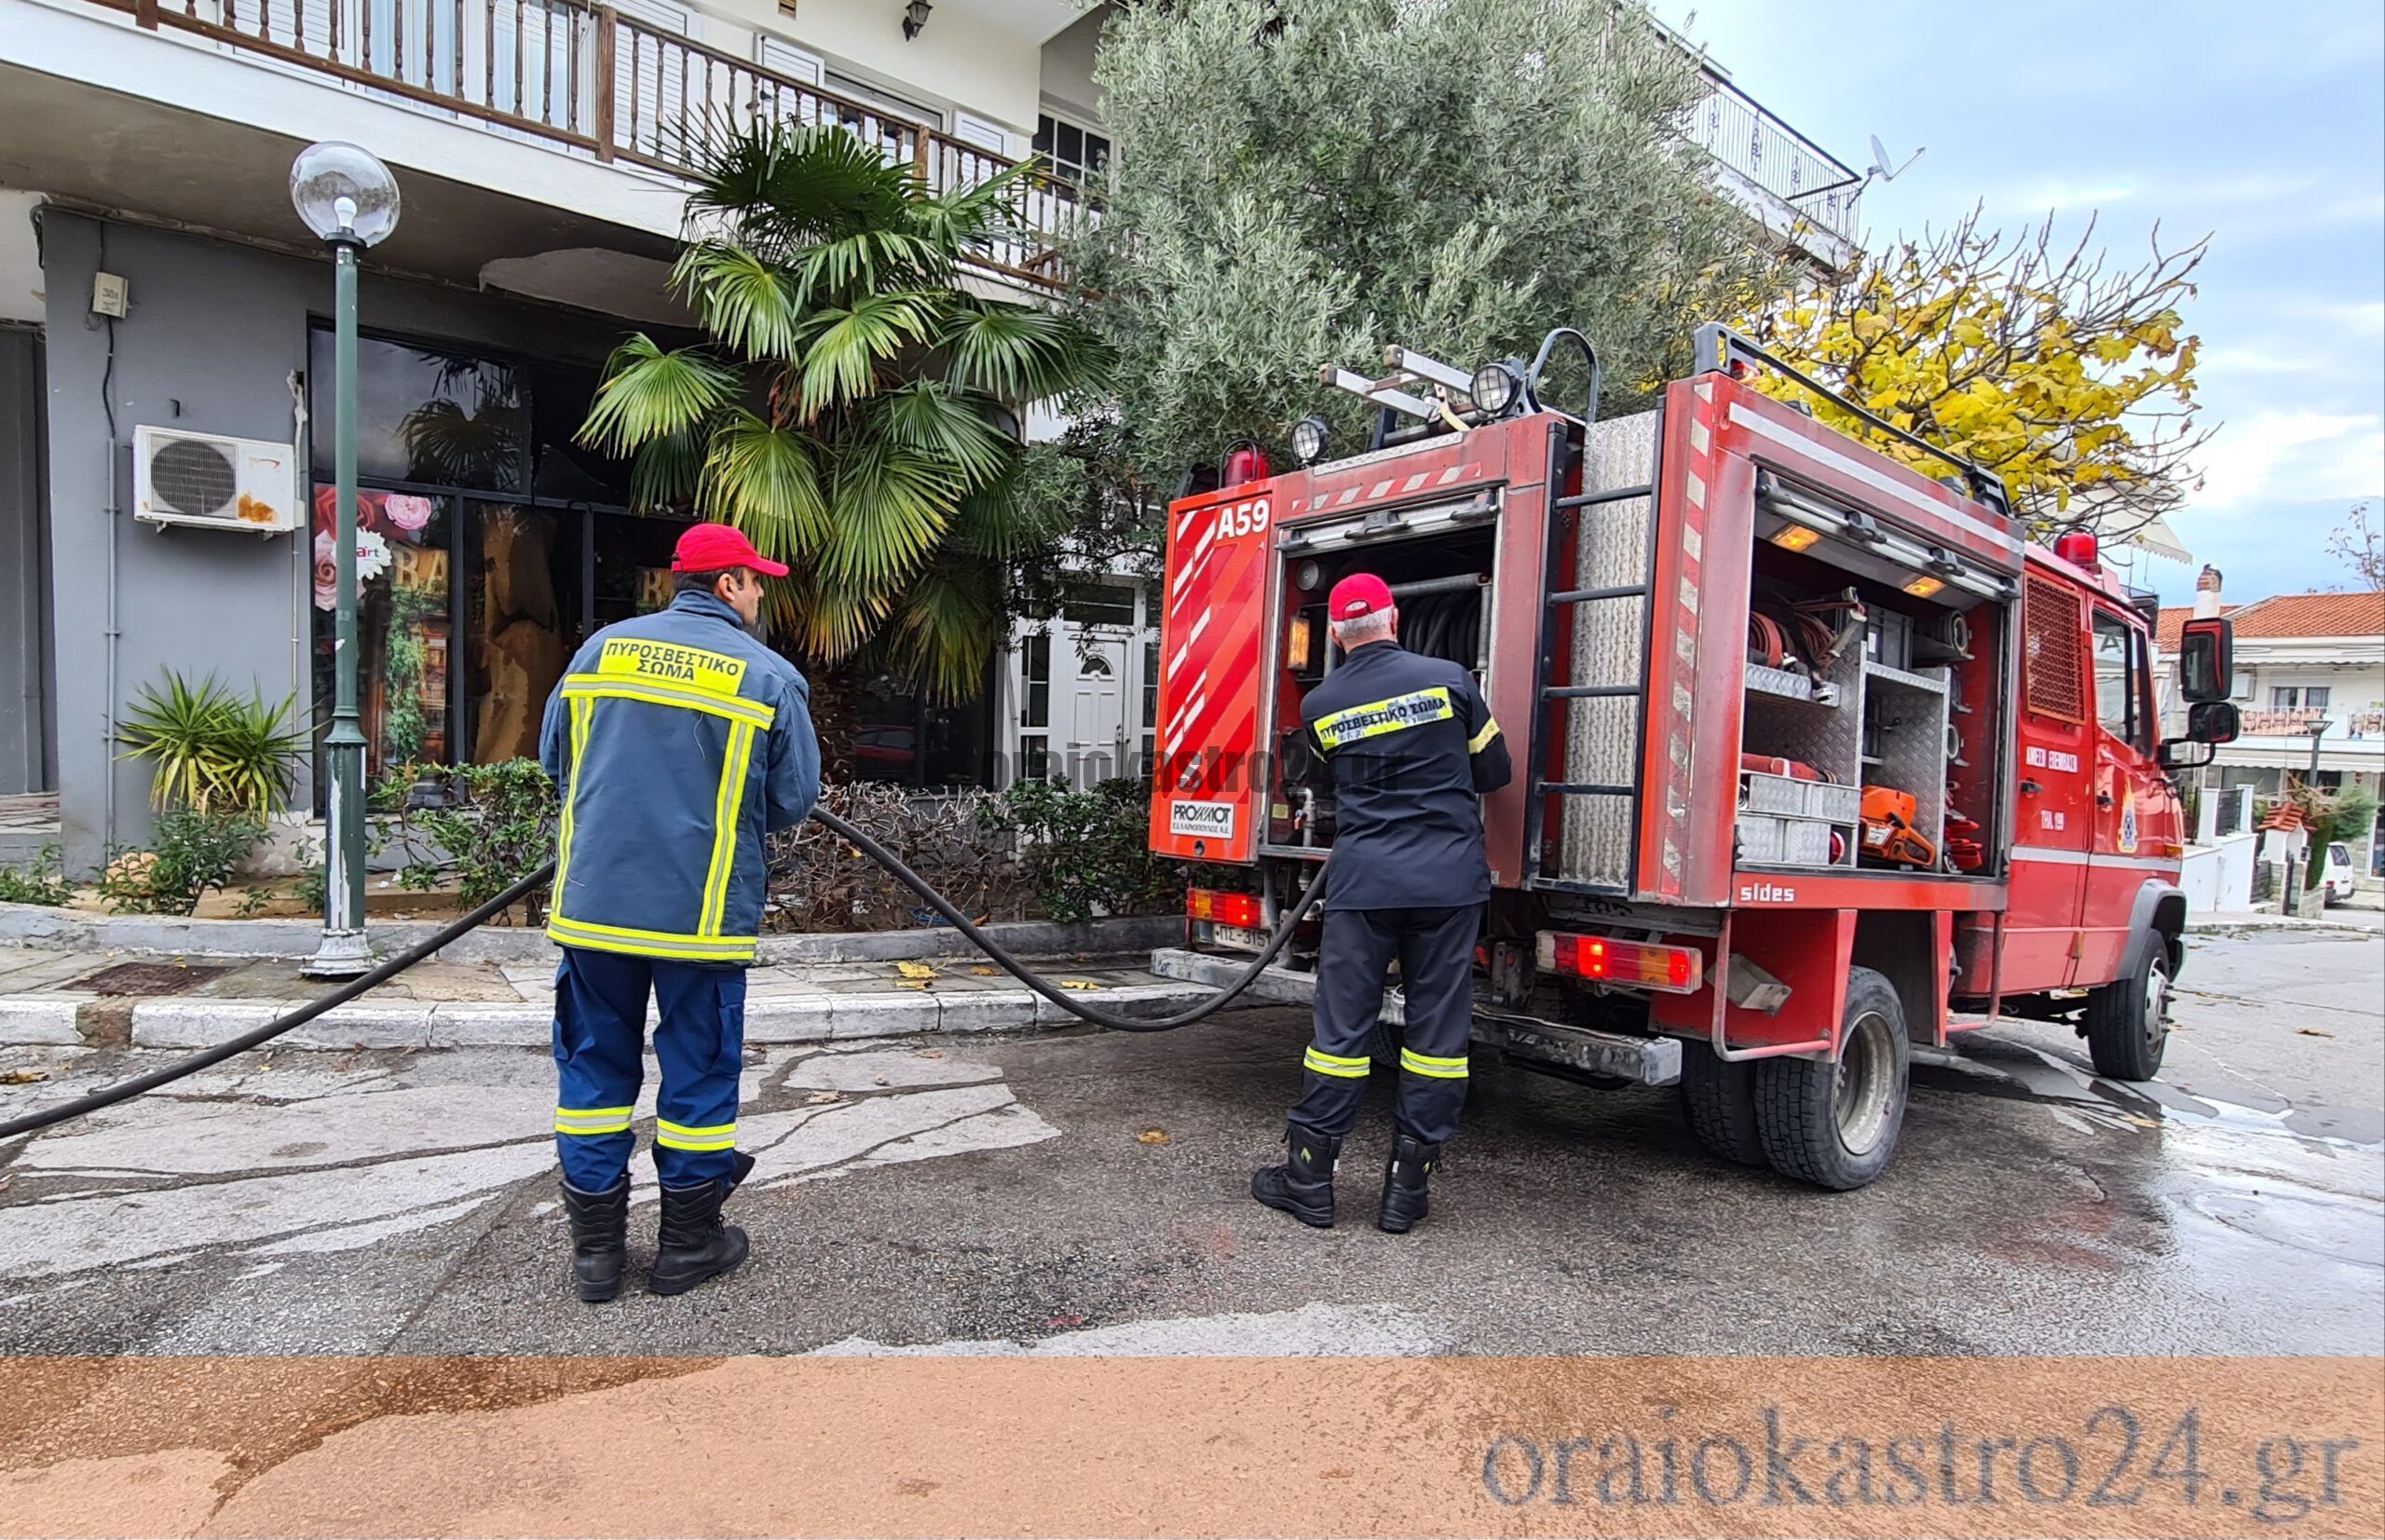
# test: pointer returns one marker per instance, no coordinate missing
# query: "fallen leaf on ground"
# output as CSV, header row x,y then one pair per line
x,y
22,1076
915,970
927,1052
2312,1031
1085,984
822,1099
910,984
1152,1136
984,971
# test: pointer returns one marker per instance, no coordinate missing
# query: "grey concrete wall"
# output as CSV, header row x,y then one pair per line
x,y
214,335
26,763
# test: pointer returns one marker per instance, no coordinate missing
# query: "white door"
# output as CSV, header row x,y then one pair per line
x,y
1096,708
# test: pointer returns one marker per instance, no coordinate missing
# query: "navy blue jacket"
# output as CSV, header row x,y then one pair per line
x,y
1413,748
675,742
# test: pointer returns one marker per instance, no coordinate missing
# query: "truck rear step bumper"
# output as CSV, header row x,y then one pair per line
x,y
1529,1044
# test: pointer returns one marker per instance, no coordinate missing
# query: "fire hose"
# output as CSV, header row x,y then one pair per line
x,y
126,1090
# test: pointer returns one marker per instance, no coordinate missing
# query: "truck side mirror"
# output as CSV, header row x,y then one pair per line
x,y
2206,660
2209,724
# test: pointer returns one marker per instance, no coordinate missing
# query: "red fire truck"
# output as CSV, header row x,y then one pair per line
x,y
1818,758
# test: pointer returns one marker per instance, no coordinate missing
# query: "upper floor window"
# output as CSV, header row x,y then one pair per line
x,y
2299,697
1074,152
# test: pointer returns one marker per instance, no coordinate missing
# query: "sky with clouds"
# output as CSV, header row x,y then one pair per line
x,y
2262,125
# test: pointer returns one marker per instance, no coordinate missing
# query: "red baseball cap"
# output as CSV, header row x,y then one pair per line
x,y
1359,593
716,548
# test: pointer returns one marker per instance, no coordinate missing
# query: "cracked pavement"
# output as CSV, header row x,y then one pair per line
x,y
1080,1192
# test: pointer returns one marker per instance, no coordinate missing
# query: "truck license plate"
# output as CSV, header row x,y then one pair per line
x,y
1238,938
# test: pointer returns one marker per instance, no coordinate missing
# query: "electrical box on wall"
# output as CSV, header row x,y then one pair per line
x,y
210,482
110,294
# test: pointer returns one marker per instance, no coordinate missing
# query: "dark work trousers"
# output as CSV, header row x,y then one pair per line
x,y
600,1040
1435,952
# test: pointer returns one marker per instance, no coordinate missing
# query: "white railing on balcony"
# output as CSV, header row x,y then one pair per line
x,y
581,75
1737,131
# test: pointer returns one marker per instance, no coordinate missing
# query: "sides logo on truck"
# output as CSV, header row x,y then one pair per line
x,y
1201,820
2127,841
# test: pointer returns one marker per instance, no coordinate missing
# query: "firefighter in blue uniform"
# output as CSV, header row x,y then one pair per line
x,y
1411,748
675,740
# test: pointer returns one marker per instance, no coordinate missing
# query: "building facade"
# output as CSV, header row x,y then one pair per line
x,y
157,296
2310,683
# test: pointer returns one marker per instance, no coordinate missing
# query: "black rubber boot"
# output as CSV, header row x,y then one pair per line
x,y
694,1245
600,1238
1303,1186
1404,1198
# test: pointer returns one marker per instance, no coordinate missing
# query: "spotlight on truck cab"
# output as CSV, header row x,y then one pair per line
x,y
1310,436
1498,384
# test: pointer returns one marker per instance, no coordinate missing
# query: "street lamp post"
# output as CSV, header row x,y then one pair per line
x,y
2319,726
351,201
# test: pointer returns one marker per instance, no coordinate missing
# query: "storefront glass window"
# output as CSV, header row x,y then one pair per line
x,y
404,624
424,416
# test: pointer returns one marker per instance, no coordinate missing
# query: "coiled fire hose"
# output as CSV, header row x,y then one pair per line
x,y
126,1091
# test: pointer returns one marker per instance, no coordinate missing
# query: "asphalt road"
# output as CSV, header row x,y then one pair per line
x,y
1085,1193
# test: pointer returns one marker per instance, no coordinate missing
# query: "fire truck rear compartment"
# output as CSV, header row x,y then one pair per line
x,y
1441,583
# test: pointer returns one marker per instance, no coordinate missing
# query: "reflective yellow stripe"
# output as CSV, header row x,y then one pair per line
x,y
737,708
617,938
728,809
676,1136
1396,714
579,710
1481,741
1335,1065
593,1120
1440,1068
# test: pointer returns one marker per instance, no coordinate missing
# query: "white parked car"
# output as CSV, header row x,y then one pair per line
x,y
2335,881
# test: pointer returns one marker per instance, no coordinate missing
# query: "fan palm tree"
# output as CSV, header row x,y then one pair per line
x,y
852,408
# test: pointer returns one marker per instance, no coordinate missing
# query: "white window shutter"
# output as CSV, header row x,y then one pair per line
x,y
781,57
650,112
978,131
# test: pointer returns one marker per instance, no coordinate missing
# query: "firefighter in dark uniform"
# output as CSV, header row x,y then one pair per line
x,y
1411,748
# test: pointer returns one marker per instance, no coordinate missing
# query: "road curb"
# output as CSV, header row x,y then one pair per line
x,y
189,1024
2211,924
71,930
34,1019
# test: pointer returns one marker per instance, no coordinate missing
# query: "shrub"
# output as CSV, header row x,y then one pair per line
x,y
1087,853
194,853
498,828
818,881
42,881
210,750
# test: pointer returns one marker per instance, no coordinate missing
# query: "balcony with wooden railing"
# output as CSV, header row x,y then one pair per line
x,y
586,79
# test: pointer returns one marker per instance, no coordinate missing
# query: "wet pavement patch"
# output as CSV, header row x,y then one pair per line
x,y
148,978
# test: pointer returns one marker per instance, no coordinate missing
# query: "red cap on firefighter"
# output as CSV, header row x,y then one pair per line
x,y
716,548
1359,593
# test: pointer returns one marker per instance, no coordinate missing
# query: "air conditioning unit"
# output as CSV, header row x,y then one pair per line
x,y
210,482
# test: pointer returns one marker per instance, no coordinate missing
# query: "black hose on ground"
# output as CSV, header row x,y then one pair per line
x,y
109,1095
988,945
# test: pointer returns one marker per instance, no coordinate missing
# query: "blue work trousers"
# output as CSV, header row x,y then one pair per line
x,y
600,1033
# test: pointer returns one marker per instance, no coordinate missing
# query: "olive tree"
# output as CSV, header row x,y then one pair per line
x,y
1301,183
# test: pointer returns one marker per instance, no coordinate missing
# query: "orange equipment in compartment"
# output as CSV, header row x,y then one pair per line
x,y
1888,832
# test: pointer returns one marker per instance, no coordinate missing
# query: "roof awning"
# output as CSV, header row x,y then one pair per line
x,y
2156,537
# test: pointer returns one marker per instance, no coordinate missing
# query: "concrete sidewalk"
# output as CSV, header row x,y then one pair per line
x,y
149,1001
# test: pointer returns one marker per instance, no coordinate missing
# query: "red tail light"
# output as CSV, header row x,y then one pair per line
x,y
1240,910
1674,969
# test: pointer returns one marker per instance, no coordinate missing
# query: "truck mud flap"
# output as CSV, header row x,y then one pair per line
x,y
1567,1050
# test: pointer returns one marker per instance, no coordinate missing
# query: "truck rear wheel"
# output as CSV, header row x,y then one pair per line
x,y
2128,1020
1836,1125
1718,1098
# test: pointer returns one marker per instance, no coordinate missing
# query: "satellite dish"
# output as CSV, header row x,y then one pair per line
x,y
1881,169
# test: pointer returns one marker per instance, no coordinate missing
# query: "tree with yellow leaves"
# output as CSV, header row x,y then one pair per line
x,y
2072,380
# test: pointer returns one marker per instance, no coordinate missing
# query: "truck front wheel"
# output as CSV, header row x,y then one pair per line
x,y
1836,1125
2128,1020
